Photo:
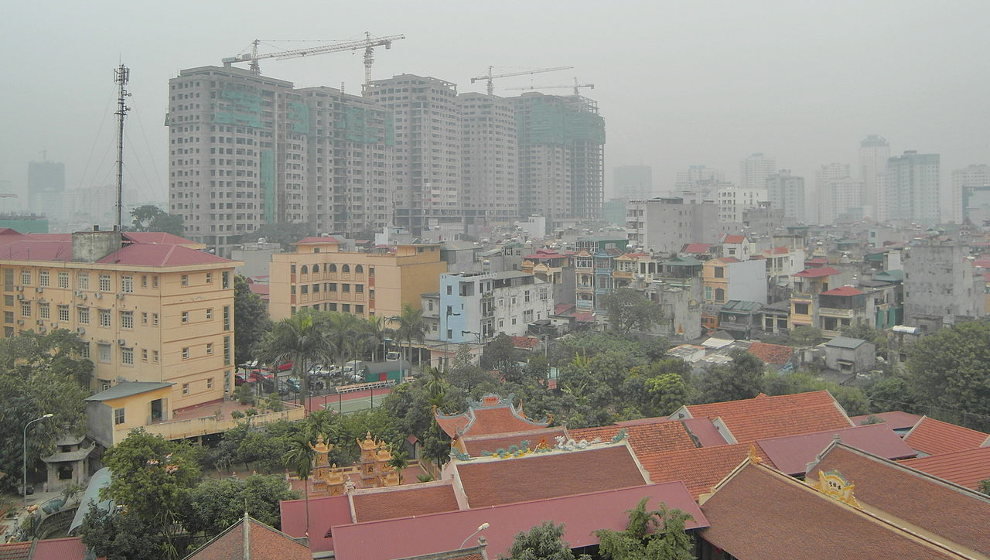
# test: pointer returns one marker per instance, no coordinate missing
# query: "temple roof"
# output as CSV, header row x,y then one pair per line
x,y
249,538
791,454
401,501
966,468
699,469
932,437
648,435
491,415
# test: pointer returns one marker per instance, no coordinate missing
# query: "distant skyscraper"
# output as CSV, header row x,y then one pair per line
x,y
874,151
704,181
754,170
489,156
786,191
912,188
838,196
970,187
733,202
633,182
46,188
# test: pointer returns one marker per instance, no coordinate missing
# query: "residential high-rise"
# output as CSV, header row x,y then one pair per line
x,y
786,191
941,286
912,188
839,197
633,182
754,170
427,176
46,188
561,156
489,156
874,151
733,202
703,182
664,225
968,184
247,150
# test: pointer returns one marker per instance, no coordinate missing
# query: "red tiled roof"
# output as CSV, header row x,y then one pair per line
x,y
648,435
791,454
551,475
932,437
775,354
965,468
843,291
264,543
149,249
71,548
696,248
477,445
160,255
728,260
762,513
323,514
700,469
766,417
561,308
525,342
412,536
897,420
704,432
15,550
779,251
817,272
734,239
403,501
263,290
952,512
492,416
159,237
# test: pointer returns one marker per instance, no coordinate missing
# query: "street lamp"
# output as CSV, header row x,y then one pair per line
x,y
481,528
25,468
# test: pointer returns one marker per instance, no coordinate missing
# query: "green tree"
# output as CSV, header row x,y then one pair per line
x,y
650,535
152,218
411,327
216,504
500,354
891,393
150,477
301,340
399,462
119,533
299,458
950,370
851,398
252,320
985,486
804,335
543,542
740,379
668,392
630,310
285,234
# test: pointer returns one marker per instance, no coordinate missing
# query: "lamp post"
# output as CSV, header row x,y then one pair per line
x,y
481,528
25,468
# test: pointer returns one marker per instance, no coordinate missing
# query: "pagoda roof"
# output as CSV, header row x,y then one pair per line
x,y
491,415
791,454
933,437
414,499
250,538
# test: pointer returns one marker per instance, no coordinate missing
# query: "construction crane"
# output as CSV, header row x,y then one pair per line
x,y
577,87
368,44
489,77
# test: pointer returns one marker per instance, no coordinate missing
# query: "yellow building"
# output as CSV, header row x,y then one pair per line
x,y
149,307
808,284
322,277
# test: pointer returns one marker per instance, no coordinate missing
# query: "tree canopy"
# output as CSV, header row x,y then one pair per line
x,y
650,535
252,320
543,542
152,218
629,310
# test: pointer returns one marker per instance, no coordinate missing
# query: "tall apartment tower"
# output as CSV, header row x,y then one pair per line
x,y
633,182
705,181
489,157
247,150
786,191
46,188
970,190
754,170
426,166
912,188
837,194
561,156
874,151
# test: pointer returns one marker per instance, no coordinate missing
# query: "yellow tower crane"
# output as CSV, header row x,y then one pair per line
x,y
489,77
368,44
577,87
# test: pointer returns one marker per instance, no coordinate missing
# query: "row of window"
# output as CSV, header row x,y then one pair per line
x,y
331,268
344,307
104,315
329,287
104,281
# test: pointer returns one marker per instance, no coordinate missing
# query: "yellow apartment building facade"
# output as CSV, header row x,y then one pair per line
x,y
149,307
320,276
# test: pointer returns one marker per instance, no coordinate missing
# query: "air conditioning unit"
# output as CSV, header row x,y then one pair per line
x,y
40,322
20,321
39,290
98,295
120,296
20,297
79,293
80,330
121,342
19,288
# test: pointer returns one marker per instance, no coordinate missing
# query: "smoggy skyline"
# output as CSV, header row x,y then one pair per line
x,y
706,83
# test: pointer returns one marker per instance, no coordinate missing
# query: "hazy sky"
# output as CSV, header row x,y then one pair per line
x,y
678,83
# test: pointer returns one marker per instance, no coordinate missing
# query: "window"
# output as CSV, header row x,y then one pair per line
x,y
333,287
225,280
185,316
82,314
127,319
185,388
209,348
209,277
44,311
209,383
127,284
185,353
144,354
359,309
154,356
104,317
332,268
800,308
118,416
184,281
82,280
8,316
209,313
84,350
346,269
358,269
719,295
359,288
44,279
127,356
526,296
154,319
63,280
719,272
104,282
25,309
26,277
144,281
8,300
104,353
226,350
346,288
144,318
708,293
154,281
226,317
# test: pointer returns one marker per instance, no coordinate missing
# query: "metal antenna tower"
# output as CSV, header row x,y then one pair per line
x,y
121,75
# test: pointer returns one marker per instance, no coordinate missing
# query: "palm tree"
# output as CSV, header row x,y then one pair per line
x,y
377,333
399,462
298,339
411,327
299,458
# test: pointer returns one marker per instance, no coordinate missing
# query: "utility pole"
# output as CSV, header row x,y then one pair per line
x,y
121,76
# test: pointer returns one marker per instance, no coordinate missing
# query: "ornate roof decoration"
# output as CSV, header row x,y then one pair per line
x,y
835,486
493,414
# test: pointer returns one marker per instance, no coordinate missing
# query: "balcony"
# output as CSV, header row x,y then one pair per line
x,y
835,312
220,421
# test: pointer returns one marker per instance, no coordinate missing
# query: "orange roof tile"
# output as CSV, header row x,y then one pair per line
x,y
699,469
415,499
493,415
965,468
783,415
816,272
732,239
477,445
264,543
649,435
540,476
933,437
775,354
